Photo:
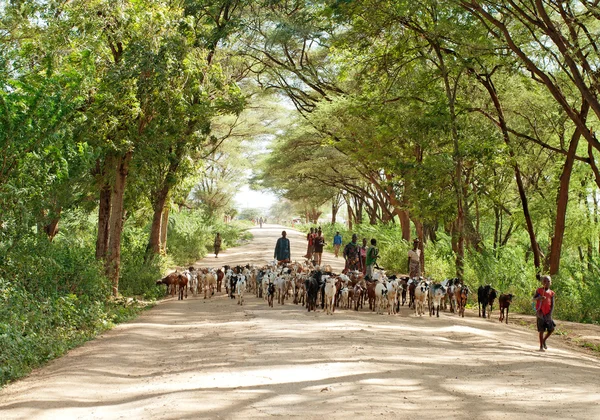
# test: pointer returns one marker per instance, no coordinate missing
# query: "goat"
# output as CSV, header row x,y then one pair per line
x,y
463,296
182,282
504,301
241,288
270,293
171,280
436,294
329,292
421,293
486,296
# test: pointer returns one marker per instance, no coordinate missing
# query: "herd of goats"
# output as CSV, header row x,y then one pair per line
x,y
308,285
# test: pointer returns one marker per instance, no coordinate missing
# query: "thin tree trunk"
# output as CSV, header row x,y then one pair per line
x,y
51,228
404,217
113,255
421,236
358,207
496,229
350,213
489,86
154,244
334,210
563,197
104,209
458,163
164,225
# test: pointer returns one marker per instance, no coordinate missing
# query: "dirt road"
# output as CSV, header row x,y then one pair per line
x,y
214,359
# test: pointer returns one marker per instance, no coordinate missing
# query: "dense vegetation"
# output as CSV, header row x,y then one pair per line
x,y
468,124
122,126
54,296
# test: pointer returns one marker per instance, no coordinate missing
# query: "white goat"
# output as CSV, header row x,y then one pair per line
x,y
329,291
240,288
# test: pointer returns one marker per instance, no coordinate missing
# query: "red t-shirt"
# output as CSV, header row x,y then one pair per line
x,y
546,304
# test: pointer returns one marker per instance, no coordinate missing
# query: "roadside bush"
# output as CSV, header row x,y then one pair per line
x,y
191,236
53,297
138,277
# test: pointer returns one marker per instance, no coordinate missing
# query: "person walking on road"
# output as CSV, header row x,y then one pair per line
x,y
372,255
318,243
217,244
282,249
363,256
337,243
544,306
310,237
352,256
414,260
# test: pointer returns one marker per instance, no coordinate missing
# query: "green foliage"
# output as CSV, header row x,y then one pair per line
x,y
34,330
191,237
53,297
250,214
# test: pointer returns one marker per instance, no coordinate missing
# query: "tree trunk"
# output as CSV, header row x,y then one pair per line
x,y
458,171
104,210
421,236
113,255
154,244
51,228
563,198
164,226
496,228
404,217
358,210
350,214
334,210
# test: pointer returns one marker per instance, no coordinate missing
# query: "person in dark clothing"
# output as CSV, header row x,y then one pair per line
x,y
318,243
282,249
352,255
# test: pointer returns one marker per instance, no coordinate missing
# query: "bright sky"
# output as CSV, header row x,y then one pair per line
x,y
246,198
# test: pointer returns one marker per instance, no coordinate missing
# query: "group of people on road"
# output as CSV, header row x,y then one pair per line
x,y
357,257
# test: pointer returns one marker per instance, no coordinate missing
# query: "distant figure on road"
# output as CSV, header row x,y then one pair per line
x,y
310,237
352,256
217,244
544,306
414,260
260,221
337,243
282,249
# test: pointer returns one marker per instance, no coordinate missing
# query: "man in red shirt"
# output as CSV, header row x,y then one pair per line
x,y
544,306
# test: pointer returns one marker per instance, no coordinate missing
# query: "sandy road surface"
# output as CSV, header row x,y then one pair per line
x,y
214,359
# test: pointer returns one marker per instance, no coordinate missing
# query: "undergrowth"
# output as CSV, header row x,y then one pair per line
x,y
54,295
